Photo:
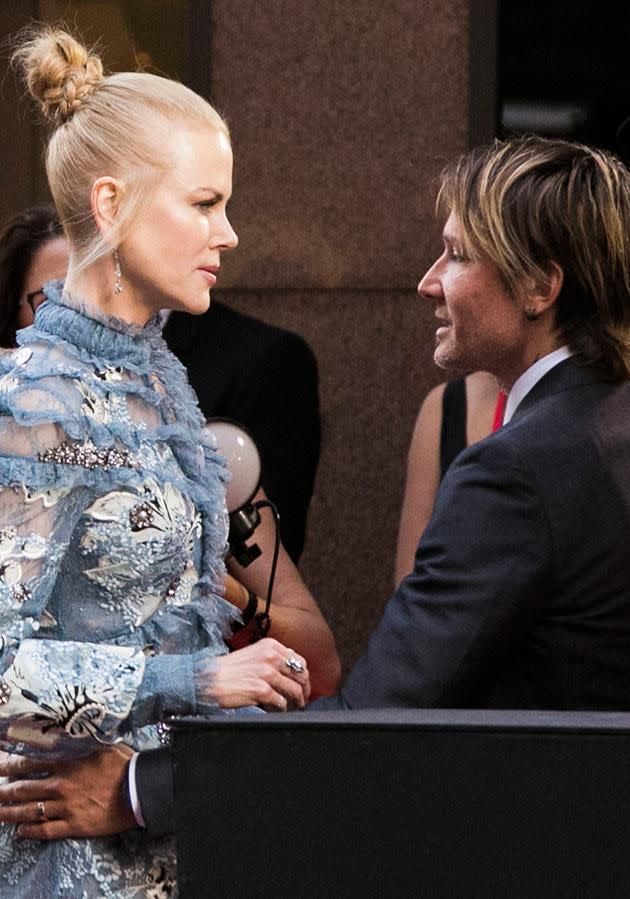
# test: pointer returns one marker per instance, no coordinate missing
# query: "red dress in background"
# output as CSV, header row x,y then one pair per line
x,y
499,410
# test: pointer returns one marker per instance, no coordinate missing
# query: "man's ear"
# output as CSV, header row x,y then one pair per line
x,y
105,200
541,294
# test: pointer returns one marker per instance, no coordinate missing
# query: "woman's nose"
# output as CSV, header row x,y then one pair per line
x,y
224,236
230,241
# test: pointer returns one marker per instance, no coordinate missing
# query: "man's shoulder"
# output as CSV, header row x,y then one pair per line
x,y
575,412
558,442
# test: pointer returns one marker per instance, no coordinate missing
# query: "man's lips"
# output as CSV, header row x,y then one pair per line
x,y
444,325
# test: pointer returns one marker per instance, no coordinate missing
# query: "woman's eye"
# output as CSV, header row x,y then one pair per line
x,y
207,205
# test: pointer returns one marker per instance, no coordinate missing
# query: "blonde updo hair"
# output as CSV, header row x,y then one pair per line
x,y
102,125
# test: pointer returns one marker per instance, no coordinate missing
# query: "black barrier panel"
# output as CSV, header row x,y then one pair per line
x,y
401,805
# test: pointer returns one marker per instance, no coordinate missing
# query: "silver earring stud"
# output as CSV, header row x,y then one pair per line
x,y
117,274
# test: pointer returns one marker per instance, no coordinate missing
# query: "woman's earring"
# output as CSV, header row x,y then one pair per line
x,y
117,273
531,315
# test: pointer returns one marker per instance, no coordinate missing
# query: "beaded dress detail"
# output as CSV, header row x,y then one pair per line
x,y
112,537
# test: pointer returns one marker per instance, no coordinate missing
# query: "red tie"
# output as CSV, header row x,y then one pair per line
x,y
499,410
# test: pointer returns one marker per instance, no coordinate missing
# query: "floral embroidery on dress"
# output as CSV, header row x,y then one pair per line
x,y
17,856
110,373
75,712
103,407
133,533
10,582
32,546
44,705
180,589
22,356
49,497
161,881
8,383
13,547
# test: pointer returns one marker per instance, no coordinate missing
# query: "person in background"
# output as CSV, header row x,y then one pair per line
x,y
33,250
452,416
265,378
112,498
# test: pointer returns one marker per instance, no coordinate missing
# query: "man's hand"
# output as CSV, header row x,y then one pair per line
x,y
79,798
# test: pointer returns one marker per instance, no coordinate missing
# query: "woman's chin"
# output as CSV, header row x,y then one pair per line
x,y
195,305
203,304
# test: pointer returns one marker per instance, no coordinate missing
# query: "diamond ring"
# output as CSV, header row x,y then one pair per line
x,y
294,664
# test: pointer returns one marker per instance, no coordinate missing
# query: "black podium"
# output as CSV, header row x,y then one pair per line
x,y
436,804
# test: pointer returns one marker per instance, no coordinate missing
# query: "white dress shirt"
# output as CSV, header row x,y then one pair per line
x,y
531,377
133,791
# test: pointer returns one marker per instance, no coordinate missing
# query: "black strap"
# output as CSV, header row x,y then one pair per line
x,y
453,433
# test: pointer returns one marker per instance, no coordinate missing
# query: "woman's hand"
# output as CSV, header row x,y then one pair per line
x,y
295,618
265,673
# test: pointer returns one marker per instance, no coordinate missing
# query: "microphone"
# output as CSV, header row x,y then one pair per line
x,y
238,447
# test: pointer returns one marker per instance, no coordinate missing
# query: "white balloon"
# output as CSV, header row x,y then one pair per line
x,y
241,453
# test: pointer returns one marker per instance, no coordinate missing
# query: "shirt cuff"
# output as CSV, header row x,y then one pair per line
x,y
133,792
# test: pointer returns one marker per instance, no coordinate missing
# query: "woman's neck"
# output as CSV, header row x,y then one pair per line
x,y
95,287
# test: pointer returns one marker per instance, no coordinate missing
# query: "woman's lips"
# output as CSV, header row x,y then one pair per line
x,y
210,274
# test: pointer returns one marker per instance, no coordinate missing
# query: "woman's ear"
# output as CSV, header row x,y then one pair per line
x,y
540,295
105,200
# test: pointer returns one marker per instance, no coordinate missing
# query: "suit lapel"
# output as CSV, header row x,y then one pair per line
x,y
564,376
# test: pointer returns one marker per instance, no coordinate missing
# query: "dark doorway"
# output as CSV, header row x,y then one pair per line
x,y
563,70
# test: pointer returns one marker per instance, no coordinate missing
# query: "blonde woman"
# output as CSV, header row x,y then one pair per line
x,y
112,516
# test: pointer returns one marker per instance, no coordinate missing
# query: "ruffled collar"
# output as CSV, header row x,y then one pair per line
x,y
104,336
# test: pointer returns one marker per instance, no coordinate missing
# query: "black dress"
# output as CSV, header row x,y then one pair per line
x,y
453,433
265,378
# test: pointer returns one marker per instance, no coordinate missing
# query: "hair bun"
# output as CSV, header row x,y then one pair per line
x,y
59,71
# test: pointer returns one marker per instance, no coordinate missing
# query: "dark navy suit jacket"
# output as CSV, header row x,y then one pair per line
x,y
520,593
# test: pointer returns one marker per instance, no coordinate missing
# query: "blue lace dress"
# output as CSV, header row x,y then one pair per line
x,y
112,536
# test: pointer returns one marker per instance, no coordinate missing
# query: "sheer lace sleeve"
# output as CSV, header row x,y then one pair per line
x,y
57,695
